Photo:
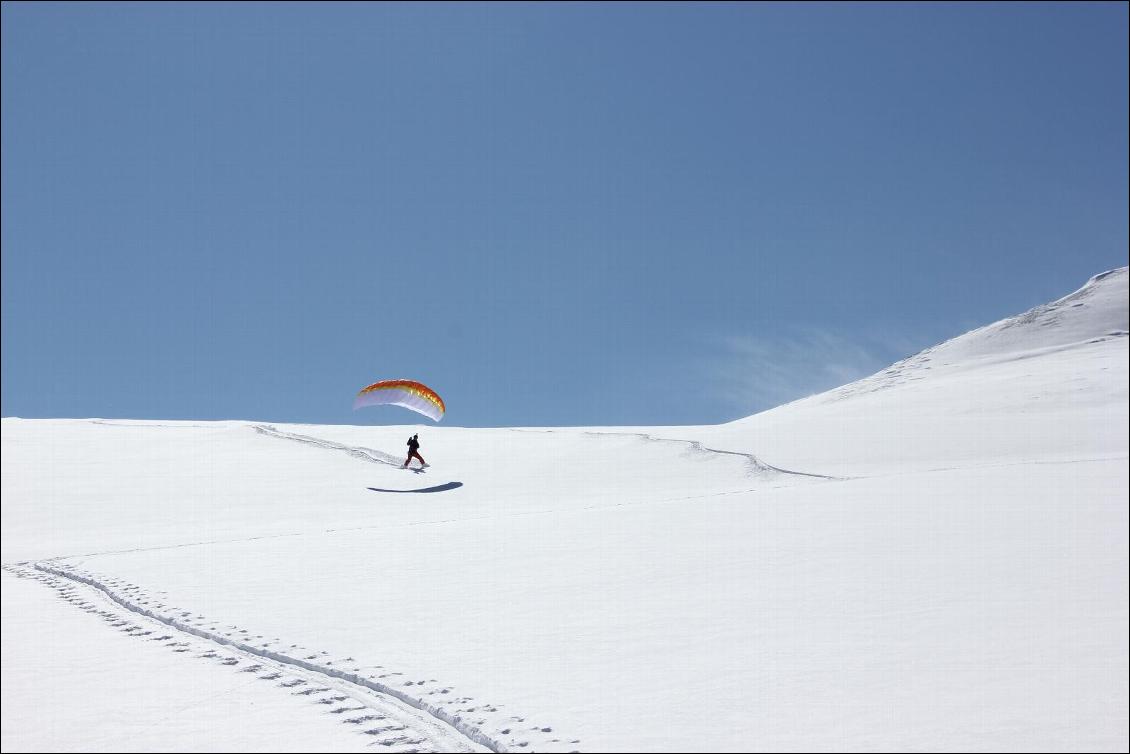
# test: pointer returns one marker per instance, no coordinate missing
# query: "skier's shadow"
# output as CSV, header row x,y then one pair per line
x,y
437,488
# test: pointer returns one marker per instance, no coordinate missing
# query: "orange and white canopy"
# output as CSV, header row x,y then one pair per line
x,y
407,393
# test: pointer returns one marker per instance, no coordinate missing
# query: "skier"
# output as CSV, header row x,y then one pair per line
x,y
414,452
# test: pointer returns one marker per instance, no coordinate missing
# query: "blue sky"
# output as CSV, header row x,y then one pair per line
x,y
552,214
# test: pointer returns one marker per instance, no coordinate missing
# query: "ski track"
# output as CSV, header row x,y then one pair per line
x,y
756,467
365,454
401,714
755,464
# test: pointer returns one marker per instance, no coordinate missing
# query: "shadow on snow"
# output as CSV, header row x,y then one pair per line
x,y
437,488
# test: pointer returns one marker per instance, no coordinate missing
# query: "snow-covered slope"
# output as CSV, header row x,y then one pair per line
x,y
1045,385
1095,311
931,558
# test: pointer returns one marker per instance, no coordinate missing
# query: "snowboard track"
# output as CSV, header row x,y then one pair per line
x,y
414,715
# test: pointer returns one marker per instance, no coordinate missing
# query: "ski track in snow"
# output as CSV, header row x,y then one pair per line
x,y
756,467
402,715
398,713
365,454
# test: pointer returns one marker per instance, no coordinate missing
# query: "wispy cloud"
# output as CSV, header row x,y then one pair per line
x,y
753,373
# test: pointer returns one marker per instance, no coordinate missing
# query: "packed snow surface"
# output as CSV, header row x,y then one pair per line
x,y
932,558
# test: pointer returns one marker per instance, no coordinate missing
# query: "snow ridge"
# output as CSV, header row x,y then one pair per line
x,y
1097,311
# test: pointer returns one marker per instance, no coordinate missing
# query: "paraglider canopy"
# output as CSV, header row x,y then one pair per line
x,y
407,393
